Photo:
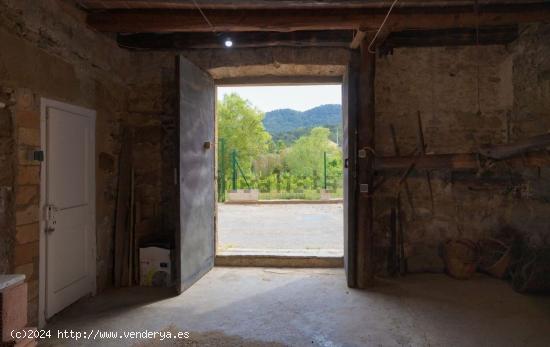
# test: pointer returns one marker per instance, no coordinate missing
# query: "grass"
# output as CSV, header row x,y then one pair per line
x,y
305,195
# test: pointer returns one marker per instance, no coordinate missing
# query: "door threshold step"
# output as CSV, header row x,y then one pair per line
x,y
270,260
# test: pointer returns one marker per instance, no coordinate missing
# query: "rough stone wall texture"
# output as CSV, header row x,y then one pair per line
x,y
531,79
530,117
275,61
441,84
49,52
153,118
7,178
27,195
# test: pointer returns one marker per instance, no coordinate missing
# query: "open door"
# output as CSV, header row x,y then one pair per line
x,y
349,117
195,241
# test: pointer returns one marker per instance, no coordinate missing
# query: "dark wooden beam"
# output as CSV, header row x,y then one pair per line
x,y
451,37
336,38
457,162
178,41
275,4
365,168
350,98
134,21
508,150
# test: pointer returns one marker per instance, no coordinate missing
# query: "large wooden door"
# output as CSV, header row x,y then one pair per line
x,y
349,116
69,204
196,244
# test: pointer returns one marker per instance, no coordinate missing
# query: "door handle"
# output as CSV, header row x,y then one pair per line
x,y
51,222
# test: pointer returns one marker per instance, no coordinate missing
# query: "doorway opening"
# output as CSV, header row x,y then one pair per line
x,y
280,170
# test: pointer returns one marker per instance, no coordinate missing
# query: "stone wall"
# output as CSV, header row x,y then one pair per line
x,y
441,84
49,52
153,118
7,179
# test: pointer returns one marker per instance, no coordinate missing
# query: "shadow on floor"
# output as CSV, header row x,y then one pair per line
x,y
314,307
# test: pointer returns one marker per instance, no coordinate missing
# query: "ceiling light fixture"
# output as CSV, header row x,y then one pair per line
x,y
228,43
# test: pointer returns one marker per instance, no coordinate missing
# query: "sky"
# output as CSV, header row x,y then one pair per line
x,y
300,98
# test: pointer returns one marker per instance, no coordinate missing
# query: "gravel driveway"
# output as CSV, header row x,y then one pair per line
x,y
293,228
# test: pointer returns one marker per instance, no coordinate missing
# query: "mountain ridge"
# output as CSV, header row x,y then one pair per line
x,y
288,120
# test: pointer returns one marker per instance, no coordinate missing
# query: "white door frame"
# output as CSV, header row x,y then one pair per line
x,y
91,114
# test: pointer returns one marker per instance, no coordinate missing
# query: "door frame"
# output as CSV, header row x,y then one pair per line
x,y
260,81
46,103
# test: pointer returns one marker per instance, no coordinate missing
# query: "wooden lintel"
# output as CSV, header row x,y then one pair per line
x,y
136,21
457,162
178,41
451,37
272,4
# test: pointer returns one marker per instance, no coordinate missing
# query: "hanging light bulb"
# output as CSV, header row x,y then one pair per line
x,y
228,42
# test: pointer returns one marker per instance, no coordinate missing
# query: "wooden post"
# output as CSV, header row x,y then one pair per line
x,y
365,165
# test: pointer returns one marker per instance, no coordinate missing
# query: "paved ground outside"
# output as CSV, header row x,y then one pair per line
x,y
288,229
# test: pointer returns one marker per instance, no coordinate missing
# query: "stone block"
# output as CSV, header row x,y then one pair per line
x,y
28,175
28,119
106,162
26,195
27,233
26,253
29,137
244,195
13,302
325,194
27,270
32,289
26,215
32,312
26,100
23,156
5,123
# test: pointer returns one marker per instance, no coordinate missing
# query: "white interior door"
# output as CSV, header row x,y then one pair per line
x,y
69,216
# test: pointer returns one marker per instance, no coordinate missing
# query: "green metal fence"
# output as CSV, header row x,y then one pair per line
x,y
279,185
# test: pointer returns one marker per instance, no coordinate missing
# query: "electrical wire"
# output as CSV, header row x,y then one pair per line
x,y
204,16
381,26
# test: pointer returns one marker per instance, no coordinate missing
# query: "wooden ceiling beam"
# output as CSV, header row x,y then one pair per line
x,y
385,44
162,21
500,35
277,4
151,41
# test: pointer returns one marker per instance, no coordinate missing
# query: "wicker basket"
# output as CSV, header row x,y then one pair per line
x,y
495,257
461,258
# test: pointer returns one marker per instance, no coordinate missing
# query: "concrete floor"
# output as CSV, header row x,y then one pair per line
x,y
293,229
305,307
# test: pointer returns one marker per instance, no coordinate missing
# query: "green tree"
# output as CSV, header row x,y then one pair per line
x,y
305,157
240,125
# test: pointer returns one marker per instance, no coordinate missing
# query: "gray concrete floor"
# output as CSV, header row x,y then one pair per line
x,y
307,229
306,307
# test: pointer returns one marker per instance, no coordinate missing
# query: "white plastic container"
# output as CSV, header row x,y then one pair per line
x,y
154,267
